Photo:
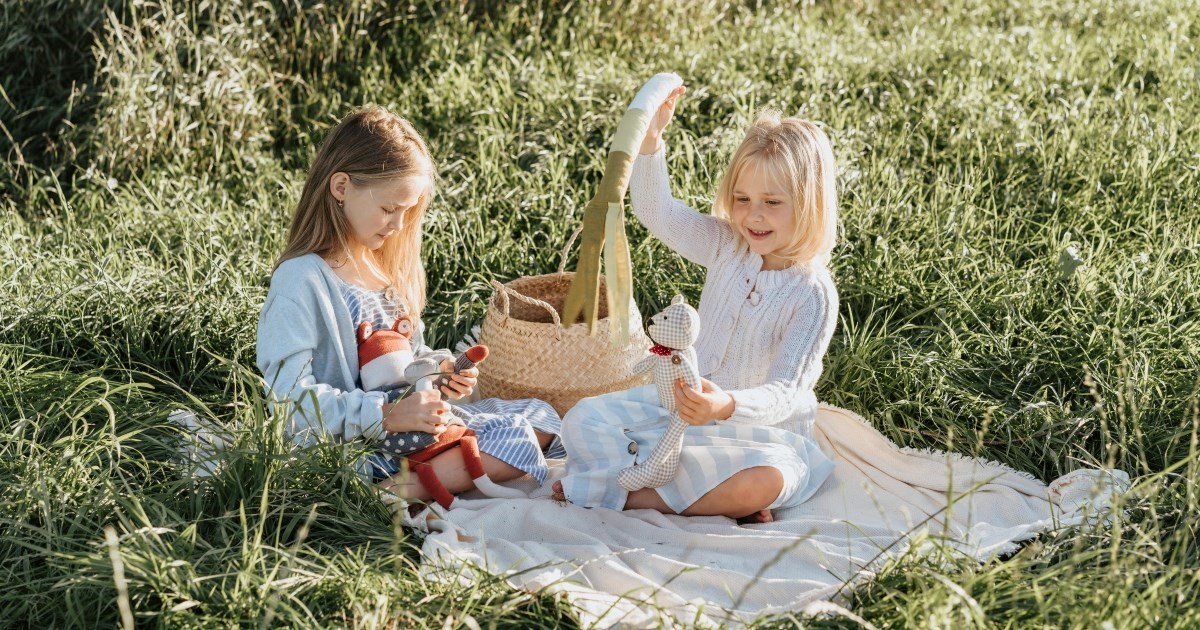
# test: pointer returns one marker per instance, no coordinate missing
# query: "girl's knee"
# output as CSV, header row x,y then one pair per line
x,y
582,422
543,439
759,486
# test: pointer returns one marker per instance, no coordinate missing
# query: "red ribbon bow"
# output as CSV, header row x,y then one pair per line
x,y
661,350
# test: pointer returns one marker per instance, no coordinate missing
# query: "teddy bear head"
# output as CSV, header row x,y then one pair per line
x,y
676,327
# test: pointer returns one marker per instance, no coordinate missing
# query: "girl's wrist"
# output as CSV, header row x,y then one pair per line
x,y
654,142
725,411
398,420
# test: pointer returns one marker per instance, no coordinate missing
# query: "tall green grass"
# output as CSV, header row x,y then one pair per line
x,y
1019,269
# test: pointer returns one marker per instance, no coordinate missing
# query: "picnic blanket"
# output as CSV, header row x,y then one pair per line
x,y
640,568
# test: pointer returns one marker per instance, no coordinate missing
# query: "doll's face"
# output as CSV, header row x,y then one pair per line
x,y
383,355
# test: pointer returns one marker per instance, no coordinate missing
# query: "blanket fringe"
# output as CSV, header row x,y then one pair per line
x,y
933,453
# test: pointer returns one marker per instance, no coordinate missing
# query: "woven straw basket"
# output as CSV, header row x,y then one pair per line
x,y
533,356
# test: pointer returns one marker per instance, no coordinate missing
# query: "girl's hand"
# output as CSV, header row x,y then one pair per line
x,y
698,407
460,385
660,121
422,411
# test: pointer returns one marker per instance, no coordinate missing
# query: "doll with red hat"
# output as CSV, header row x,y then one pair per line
x,y
387,363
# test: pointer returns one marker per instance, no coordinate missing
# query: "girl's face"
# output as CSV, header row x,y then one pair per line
x,y
376,211
762,211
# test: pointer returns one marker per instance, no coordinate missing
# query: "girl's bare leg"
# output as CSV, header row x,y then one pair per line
x,y
744,496
543,439
747,493
451,471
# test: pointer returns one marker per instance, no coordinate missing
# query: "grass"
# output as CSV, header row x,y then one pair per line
x,y
1019,270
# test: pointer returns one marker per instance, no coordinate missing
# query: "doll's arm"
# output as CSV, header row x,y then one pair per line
x,y
465,361
644,365
691,375
421,373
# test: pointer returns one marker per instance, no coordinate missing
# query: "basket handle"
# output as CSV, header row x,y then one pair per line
x,y
504,292
562,259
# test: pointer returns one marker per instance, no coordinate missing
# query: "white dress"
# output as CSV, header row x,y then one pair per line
x,y
763,337
605,434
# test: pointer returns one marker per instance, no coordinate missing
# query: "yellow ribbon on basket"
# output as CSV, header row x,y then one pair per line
x,y
604,221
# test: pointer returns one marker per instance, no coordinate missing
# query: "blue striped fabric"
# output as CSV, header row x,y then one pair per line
x,y
504,428
505,431
605,434
371,306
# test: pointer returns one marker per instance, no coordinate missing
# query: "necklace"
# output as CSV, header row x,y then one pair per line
x,y
339,262
372,278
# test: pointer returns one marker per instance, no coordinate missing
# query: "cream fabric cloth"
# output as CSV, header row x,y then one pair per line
x,y
640,568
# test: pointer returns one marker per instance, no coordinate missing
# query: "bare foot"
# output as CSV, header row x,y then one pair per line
x,y
394,495
761,516
558,495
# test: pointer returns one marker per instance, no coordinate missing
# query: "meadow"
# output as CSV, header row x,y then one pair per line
x,y
1018,265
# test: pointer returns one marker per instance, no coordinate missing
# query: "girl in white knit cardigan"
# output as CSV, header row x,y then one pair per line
x,y
767,313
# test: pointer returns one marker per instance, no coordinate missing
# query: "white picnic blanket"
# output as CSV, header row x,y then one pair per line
x,y
641,568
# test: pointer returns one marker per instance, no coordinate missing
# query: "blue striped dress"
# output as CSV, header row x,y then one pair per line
x,y
504,428
607,433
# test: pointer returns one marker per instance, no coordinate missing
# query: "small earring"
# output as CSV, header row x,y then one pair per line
x,y
341,204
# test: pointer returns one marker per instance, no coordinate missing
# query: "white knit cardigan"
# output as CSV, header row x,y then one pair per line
x,y
763,333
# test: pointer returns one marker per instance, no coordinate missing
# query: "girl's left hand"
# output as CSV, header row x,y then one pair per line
x,y
699,406
460,385
666,111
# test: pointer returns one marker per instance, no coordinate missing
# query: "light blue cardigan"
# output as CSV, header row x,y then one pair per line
x,y
308,354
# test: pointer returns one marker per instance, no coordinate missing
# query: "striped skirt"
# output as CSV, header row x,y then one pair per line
x,y
504,429
605,434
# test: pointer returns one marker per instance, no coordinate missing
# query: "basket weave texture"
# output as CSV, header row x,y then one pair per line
x,y
531,355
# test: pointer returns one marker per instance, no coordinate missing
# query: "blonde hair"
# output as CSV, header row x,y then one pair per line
x,y
797,156
371,145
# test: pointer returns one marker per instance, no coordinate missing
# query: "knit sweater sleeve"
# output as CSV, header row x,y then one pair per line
x,y
798,364
290,356
695,236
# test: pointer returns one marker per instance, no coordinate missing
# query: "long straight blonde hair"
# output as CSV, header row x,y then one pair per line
x,y
795,154
371,145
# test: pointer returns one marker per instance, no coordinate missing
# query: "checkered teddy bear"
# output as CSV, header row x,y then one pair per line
x,y
672,357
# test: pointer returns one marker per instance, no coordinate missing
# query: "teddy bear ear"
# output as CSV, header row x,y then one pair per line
x,y
678,299
364,331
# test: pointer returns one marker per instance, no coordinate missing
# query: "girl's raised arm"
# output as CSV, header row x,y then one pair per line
x,y
695,236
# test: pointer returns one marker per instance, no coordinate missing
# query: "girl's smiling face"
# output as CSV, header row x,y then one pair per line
x,y
763,213
376,211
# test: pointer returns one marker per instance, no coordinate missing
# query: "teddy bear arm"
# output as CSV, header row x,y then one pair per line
x,y
689,373
644,365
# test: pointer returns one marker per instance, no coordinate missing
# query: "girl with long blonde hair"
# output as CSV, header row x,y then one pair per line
x,y
353,258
